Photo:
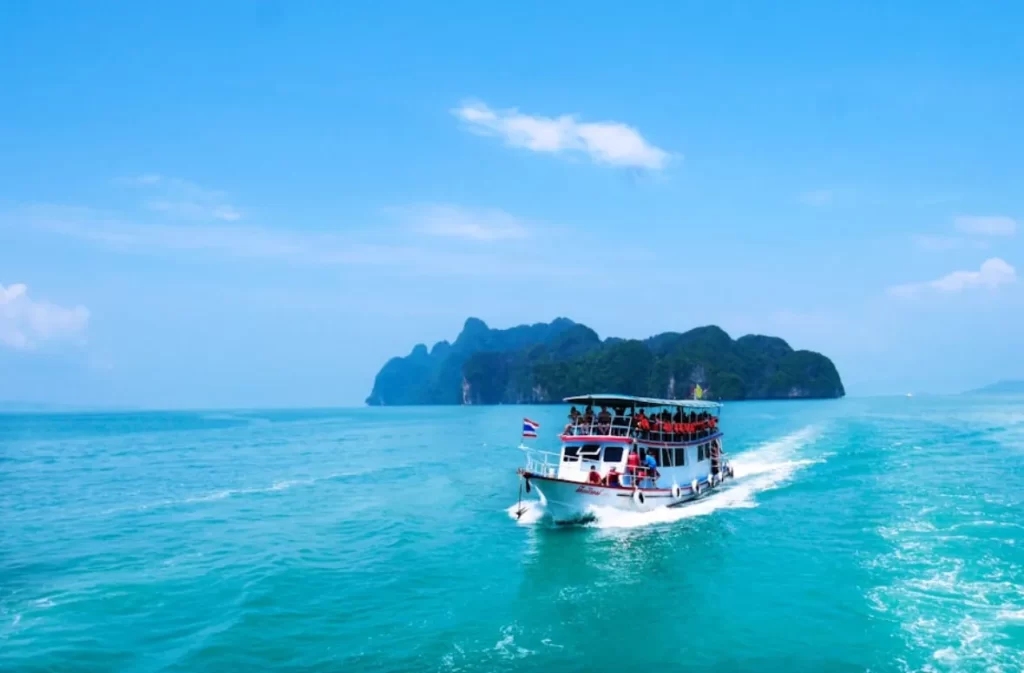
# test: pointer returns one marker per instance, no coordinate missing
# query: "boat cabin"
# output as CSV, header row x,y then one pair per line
x,y
672,441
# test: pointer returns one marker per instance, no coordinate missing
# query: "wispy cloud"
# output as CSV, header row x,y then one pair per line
x,y
817,197
986,225
26,323
182,198
230,240
450,221
942,243
392,248
605,142
994,273
976,230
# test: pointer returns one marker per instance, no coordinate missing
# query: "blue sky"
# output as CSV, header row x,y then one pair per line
x,y
258,204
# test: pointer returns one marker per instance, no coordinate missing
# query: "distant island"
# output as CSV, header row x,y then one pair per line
x,y
545,362
1000,388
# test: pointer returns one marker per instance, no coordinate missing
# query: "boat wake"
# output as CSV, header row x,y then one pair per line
x,y
769,466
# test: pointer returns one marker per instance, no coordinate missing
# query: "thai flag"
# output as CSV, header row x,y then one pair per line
x,y
530,428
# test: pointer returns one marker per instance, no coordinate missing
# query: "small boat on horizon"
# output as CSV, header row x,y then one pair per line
x,y
635,454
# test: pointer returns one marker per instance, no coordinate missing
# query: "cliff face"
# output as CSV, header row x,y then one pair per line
x,y
547,362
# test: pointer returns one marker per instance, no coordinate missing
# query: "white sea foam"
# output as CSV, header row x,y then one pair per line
x,y
945,607
222,494
764,468
507,647
533,512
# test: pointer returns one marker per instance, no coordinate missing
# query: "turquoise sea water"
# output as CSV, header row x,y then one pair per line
x,y
860,535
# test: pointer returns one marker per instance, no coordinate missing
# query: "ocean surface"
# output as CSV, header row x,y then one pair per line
x,y
860,535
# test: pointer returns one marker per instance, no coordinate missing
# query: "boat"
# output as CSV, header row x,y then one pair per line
x,y
676,447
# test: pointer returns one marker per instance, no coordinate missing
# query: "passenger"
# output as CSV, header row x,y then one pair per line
x,y
604,421
643,424
652,469
574,419
588,419
619,421
612,479
594,477
632,463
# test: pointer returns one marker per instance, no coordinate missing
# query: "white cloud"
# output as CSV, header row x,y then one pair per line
x,y
993,273
606,142
183,198
986,225
26,323
451,221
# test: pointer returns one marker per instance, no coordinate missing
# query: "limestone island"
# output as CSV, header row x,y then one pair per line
x,y
545,362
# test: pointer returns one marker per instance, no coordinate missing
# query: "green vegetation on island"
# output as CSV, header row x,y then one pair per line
x,y
546,362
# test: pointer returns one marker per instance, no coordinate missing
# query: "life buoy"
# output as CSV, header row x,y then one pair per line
x,y
676,491
695,487
638,497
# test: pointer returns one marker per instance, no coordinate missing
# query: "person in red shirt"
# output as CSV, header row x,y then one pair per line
x,y
632,462
594,477
612,478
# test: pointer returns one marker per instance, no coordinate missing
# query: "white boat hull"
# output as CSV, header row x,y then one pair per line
x,y
569,501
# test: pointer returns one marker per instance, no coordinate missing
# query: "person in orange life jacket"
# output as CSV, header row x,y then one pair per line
x,y
612,478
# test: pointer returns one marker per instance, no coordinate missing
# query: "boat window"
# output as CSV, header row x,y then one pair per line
x,y
612,454
700,453
680,457
570,454
590,451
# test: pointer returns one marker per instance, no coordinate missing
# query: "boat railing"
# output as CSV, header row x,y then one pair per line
x,y
623,427
617,427
541,462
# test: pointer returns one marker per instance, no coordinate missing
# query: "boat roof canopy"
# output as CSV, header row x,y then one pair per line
x,y
608,400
